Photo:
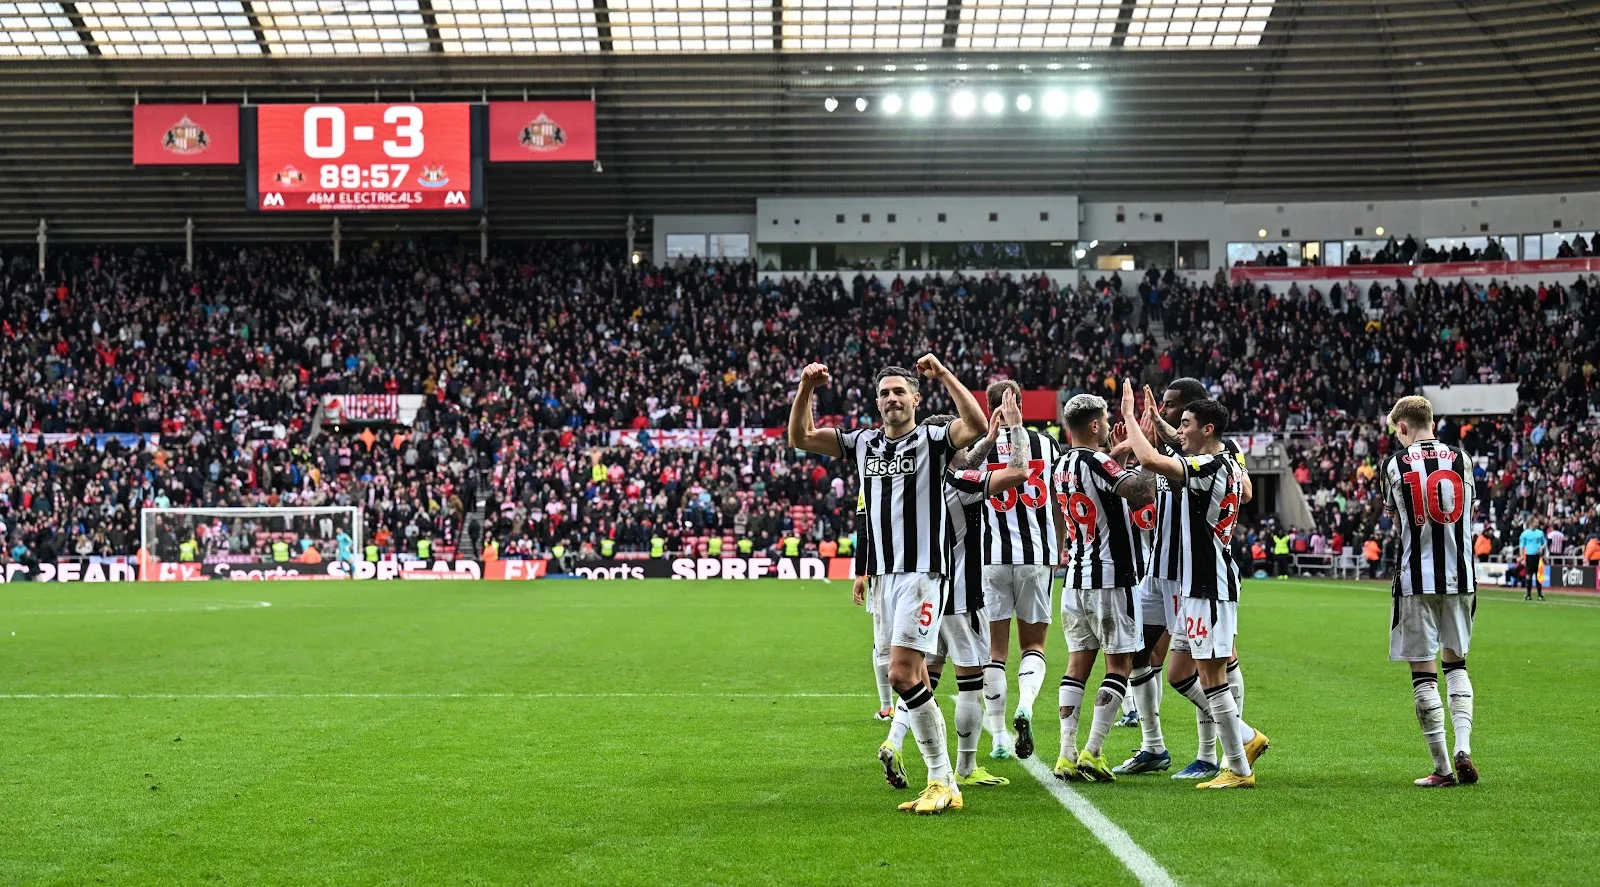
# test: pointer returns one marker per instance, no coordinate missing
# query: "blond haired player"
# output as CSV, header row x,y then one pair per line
x,y
1428,487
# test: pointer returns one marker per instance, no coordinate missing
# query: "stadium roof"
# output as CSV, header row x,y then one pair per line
x,y
706,104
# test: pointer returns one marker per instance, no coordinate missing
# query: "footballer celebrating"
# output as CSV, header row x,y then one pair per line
x,y
901,467
1207,486
1105,556
1428,487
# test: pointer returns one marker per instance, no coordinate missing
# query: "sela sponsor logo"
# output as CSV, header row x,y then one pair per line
x,y
619,572
749,568
898,466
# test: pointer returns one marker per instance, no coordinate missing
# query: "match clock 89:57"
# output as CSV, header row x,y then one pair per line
x,y
364,157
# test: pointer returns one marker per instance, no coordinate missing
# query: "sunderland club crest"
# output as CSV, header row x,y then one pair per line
x,y
542,135
185,137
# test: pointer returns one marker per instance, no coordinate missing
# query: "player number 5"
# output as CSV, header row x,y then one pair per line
x,y
925,615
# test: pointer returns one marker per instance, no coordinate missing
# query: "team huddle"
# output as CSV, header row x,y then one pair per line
x,y
963,521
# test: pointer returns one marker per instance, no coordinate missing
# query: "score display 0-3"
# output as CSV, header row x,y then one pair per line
x,y
364,157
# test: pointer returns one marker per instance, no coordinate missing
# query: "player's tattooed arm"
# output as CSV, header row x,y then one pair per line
x,y
1016,470
1149,457
1139,490
1165,432
974,455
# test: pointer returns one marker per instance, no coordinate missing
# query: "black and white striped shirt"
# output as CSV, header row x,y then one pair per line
x,y
1195,527
964,495
1428,487
1105,549
1017,527
1166,556
903,481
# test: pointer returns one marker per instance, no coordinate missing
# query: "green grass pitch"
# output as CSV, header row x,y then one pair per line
x,y
719,733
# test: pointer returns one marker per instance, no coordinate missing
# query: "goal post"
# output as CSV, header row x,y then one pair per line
x,y
248,535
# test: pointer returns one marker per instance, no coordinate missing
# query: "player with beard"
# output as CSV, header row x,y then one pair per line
x,y
964,630
901,468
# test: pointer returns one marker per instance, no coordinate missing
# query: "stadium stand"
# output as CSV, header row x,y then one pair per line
x,y
530,359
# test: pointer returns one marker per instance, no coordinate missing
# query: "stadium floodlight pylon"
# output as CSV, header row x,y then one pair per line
x,y
247,534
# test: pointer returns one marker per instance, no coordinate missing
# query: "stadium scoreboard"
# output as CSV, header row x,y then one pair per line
x,y
363,157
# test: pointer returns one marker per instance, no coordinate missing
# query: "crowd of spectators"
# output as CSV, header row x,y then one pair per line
x,y
528,360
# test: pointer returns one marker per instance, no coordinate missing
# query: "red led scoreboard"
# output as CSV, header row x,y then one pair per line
x,y
364,157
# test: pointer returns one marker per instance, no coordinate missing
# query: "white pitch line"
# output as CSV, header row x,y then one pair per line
x,y
1144,867
433,695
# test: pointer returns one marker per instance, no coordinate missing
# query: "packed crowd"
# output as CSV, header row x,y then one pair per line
x,y
527,359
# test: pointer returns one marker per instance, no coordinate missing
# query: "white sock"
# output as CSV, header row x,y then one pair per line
x,y
1128,704
969,722
885,692
994,700
1146,687
1236,685
1106,705
927,725
1071,698
1231,728
1030,678
1459,687
1430,716
1205,725
899,726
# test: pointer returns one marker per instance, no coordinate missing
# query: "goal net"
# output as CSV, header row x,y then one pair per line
x,y
250,536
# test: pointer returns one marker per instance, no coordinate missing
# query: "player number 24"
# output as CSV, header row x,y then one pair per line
x,y
1427,496
1034,491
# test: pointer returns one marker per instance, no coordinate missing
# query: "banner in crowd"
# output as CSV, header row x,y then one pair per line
x,y
541,132
33,440
681,438
185,135
1440,270
1472,400
338,409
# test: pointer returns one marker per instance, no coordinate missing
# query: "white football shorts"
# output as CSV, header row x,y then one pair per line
x,y
1423,623
1020,590
1152,604
1101,619
1168,594
1209,627
908,610
964,639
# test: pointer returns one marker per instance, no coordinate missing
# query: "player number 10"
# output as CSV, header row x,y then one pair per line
x,y
406,120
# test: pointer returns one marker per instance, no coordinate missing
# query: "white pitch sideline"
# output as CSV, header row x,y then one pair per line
x,y
1144,868
694,695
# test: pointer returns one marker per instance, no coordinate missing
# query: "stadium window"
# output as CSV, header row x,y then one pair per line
x,y
1158,218
865,218
941,217
1044,217
1530,248
686,246
1122,217
838,219
1360,232
1333,253
891,218
1194,254
994,217
1284,232
729,246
